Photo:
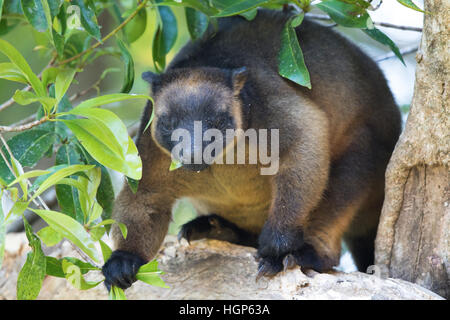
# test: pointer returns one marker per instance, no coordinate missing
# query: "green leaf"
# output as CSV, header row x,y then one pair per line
x,y
49,236
379,36
175,164
49,76
55,6
1,9
109,98
123,229
291,63
88,18
117,294
110,120
9,71
58,175
75,277
106,250
164,37
70,229
197,23
346,14
31,276
28,175
97,233
66,195
101,144
250,15
136,27
14,55
150,274
63,80
239,6
34,12
25,97
129,67
105,194
133,184
54,266
410,4
28,148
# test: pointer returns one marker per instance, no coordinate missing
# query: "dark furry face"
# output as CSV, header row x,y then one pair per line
x,y
196,105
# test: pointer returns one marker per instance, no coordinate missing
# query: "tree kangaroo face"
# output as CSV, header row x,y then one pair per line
x,y
193,112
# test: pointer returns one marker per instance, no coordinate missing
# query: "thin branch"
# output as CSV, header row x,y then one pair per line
x,y
24,126
112,33
381,24
404,51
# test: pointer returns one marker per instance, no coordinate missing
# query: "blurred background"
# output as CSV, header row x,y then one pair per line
x,y
26,40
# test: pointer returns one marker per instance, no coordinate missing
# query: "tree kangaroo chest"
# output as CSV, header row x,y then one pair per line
x,y
236,192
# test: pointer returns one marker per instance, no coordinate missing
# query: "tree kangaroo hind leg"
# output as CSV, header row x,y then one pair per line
x,y
350,186
297,189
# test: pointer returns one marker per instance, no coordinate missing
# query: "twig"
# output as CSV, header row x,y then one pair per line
x,y
123,24
391,55
23,127
381,24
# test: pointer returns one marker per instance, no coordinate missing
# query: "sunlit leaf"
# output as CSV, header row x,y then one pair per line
x,y
9,71
117,294
75,277
136,27
106,250
150,274
49,236
31,276
63,80
16,57
70,229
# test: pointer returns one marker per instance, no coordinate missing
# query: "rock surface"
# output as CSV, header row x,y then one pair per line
x,y
210,269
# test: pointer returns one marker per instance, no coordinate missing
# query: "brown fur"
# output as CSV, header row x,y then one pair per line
x,y
335,142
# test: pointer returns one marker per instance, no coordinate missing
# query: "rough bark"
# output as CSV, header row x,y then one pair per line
x,y
213,270
413,241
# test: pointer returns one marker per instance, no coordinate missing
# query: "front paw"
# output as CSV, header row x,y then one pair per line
x,y
121,268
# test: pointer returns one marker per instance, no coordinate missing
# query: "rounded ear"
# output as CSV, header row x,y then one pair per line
x,y
151,77
238,78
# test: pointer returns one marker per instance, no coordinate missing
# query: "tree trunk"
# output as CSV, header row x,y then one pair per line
x,y
413,241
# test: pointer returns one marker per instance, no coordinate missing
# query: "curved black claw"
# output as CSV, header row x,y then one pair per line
x,y
288,262
268,267
121,268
